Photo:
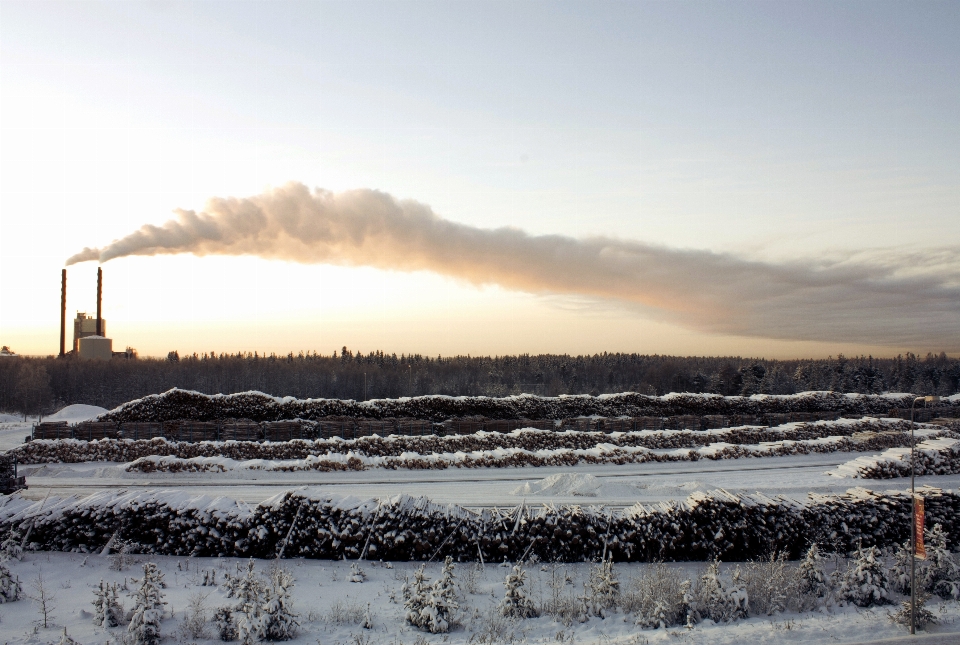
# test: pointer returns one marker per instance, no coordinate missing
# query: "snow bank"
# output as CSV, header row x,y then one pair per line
x,y
575,484
77,413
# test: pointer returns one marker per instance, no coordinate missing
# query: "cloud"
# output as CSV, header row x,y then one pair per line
x,y
866,297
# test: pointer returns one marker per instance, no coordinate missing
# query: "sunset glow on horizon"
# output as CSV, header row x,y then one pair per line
x,y
755,179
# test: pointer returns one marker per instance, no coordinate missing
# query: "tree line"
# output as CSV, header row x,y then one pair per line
x,y
41,385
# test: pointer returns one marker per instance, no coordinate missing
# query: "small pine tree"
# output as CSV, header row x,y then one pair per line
x,y
441,601
810,579
941,575
738,600
604,589
713,600
10,589
415,598
250,590
10,548
225,624
923,616
900,574
515,603
106,607
279,621
356,573
865,583
66,640
148,607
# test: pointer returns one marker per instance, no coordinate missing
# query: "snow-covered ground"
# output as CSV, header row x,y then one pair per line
x,y
331,608
13,428
622,485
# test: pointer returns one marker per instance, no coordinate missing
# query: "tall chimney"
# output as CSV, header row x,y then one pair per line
x,y
63,313
99,301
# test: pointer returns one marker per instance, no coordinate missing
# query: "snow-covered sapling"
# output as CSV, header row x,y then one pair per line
x,y
65,639
442,599
225,624
107,611
251,590
865,583
604,589
516,603
921,618
439,601
810,580
356,573
10,548
44,599
415,597
147,606
279,623
942,573
900,574
9,585
712,599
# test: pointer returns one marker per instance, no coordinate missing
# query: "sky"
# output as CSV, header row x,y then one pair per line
x,y
773,179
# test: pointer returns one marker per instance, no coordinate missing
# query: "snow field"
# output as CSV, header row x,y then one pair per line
x,y
332,610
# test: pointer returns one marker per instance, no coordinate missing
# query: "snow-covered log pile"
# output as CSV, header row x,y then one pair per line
x,y
934,456
602,453
183,404
705,526
865,434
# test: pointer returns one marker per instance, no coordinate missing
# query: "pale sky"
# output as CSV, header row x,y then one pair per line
x,y
781,134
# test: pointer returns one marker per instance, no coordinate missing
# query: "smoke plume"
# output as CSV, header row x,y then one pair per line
x,y
888,299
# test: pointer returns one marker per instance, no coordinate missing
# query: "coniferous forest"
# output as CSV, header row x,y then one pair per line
x,y
32,385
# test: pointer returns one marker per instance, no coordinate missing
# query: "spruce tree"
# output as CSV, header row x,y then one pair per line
x,y
106,606
865,583
515,603
811,580
942,572
148,607
441,601
415,598
10,589
279,621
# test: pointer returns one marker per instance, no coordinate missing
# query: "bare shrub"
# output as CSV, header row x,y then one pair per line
x,y
194,623
768,585
562,604
656,597
347,613
44,599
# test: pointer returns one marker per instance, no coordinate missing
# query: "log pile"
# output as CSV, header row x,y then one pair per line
x,y
705,526
184,404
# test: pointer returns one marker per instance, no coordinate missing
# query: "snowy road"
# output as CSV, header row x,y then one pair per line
x,y
614,485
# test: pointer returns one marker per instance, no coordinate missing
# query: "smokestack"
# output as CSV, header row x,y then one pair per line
x,y
63,313
99,301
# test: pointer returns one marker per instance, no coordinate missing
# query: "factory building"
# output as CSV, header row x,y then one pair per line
x,y
90,340
84,326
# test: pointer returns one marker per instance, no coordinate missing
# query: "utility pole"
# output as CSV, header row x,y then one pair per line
x,y
913,512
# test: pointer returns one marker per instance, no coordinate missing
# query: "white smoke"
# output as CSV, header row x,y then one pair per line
x,y
891,299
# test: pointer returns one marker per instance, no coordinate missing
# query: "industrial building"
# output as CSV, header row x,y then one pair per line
x,y
90,340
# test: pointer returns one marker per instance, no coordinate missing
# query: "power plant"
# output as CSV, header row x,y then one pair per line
x,y
90,340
